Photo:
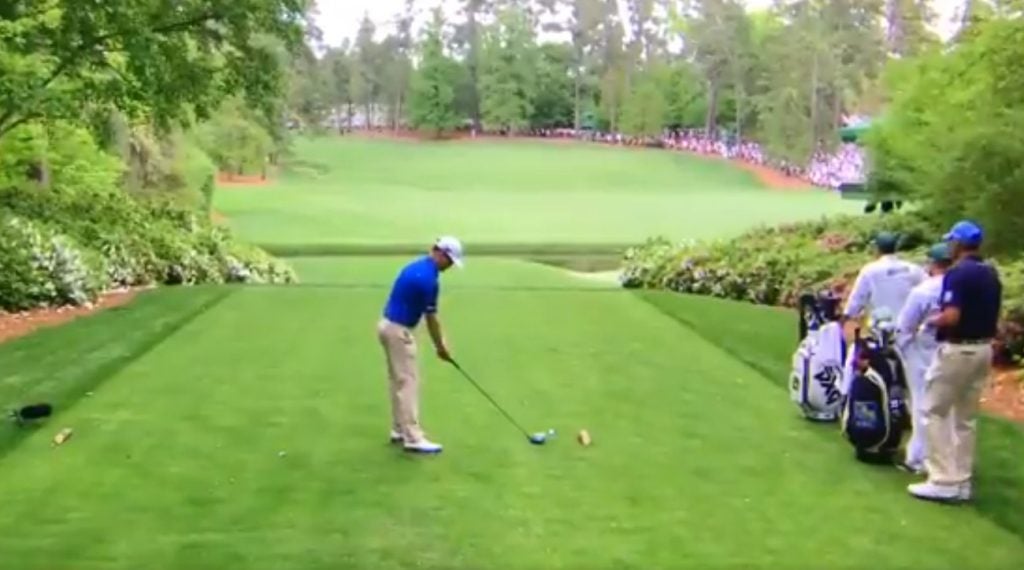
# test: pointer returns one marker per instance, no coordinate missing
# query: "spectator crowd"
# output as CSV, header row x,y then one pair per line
x,y
825,169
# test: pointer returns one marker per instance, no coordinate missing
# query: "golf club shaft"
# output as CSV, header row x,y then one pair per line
x,y
488,396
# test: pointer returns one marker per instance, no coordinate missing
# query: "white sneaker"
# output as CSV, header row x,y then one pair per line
x,y
933,492
396,437
912,468
423,446
966,491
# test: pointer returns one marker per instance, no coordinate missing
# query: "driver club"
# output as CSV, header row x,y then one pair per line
x,y
537,438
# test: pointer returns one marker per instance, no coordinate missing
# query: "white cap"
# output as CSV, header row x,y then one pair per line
x,y
451,247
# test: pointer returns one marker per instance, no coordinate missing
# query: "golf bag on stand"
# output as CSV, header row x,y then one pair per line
x,y
818,360
875,413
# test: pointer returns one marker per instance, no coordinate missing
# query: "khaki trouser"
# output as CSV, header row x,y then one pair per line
x,y
953,386
400,351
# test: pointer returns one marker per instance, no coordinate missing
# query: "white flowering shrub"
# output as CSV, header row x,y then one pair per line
x,y
39,267
112,241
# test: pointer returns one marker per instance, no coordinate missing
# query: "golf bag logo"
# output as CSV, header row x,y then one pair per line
x,y
865,415
817,372
828,379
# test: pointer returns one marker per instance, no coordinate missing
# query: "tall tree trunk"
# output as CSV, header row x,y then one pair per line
x,y
837,117
576,100
474,62
711,119
739,113
814,103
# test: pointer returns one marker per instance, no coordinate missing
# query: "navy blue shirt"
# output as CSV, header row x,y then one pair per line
x,y
972,286
414,293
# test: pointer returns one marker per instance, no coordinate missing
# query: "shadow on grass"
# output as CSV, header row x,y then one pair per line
x,y
764,338
62,365
581,263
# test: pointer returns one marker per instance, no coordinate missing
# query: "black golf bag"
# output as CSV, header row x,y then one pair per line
x,y
818,360
875,413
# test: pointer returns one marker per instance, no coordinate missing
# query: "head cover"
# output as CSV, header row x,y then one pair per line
x,y
451,247
965,232
939,253
887,241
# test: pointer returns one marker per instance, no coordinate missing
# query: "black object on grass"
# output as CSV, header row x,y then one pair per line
x,y
31,413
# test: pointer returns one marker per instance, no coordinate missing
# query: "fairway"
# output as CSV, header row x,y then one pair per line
x,y
354,192
254,436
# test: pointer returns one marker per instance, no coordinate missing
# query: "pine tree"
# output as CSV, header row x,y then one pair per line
x,y
432,100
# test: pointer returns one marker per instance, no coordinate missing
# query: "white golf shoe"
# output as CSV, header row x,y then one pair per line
x,y
422,446
912,468
933,492
396,437
966,492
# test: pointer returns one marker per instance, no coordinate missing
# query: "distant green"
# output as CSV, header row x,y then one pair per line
x,y
350,191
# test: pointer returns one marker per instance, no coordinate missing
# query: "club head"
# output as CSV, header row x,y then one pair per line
x,y
538,438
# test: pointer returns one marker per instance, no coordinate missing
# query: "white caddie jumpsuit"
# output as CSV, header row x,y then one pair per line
x,y
884,284
918,345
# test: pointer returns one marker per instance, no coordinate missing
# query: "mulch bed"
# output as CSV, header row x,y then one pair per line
x,y
1004,395
15,325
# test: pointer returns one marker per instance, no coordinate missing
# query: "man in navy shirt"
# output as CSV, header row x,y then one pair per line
x,y
414,297
970,304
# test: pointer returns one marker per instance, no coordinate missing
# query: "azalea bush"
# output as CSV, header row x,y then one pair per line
x,y
39,267
771,265
775,265
61,247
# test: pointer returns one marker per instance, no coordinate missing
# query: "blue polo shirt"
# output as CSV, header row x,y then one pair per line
x,y
414,293
973,286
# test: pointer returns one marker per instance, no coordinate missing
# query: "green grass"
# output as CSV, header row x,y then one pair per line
x,y
183,403
698,461
61,365
349,195
765,337
480,272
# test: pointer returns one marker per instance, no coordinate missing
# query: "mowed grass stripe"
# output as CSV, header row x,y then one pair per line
x,y
697,463
61,365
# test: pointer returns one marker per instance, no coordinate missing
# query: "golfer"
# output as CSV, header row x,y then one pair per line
x,y
970,304
917,343
414,297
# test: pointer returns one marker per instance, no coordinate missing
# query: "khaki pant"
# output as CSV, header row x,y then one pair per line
x,y
953,386
404,383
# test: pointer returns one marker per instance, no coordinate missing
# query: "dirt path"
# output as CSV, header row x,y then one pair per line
x,y
15,325
241,180
772,178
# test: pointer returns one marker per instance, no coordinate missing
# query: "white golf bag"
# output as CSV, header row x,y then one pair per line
x,y
818,361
